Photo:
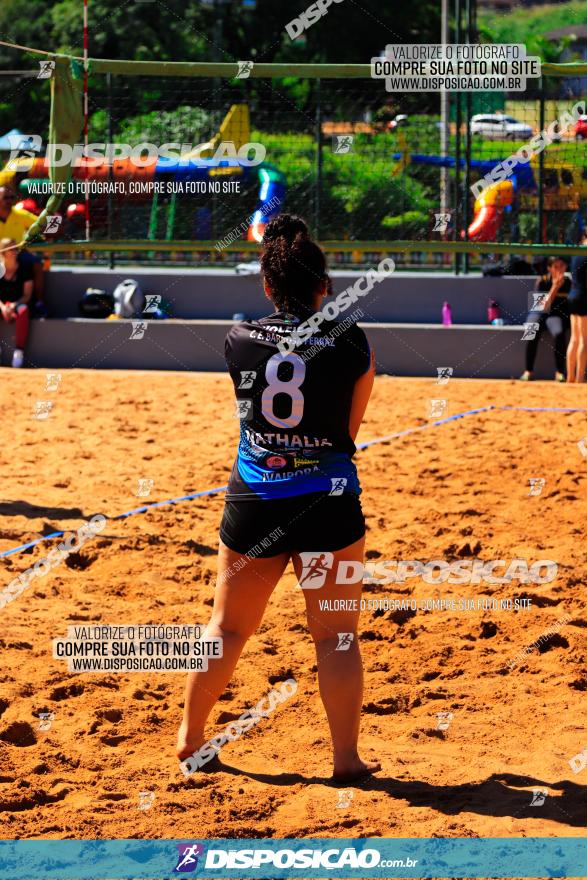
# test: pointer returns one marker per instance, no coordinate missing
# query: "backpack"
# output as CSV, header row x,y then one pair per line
x,y
96,303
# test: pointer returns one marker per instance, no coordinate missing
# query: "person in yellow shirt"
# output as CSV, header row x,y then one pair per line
x,y
14,223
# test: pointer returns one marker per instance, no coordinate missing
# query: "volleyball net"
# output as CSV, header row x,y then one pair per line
x,y
188,161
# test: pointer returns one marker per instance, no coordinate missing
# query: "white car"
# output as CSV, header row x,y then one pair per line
x,y
499,127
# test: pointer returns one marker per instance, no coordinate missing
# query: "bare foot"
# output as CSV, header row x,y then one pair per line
x,y
188,742
354,770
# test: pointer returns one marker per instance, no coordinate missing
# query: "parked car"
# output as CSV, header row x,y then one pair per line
x,y
499,127
581,128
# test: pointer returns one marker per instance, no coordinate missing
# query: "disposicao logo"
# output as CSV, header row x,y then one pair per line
x,y
187,860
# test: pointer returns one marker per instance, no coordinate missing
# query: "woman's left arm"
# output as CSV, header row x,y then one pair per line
x,y
361,395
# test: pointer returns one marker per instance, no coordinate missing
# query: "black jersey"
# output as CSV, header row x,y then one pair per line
x,y
12,290
294,407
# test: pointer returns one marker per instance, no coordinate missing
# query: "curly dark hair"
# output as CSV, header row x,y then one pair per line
x,y
285,226
293,265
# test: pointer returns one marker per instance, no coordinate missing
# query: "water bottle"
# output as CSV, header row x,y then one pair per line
x,y
446,314
493,313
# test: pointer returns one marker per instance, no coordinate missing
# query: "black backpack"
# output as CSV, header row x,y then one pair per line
x,y
96,303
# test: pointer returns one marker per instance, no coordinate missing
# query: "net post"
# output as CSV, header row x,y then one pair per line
x,y
468,105
86,116
110,169
458,122
540,236
318,136
444,123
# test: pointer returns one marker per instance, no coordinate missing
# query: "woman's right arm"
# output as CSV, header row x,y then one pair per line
x,y
556,284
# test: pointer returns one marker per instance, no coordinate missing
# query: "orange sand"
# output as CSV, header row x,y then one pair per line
x,y
450,492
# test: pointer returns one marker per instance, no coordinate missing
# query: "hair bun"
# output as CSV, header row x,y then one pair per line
x,y
287,226
293,265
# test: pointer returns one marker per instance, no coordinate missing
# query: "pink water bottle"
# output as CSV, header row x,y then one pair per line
x,y
446,314
493,313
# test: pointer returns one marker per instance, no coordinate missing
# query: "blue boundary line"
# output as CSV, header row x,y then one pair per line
x,y
469,412
128,513
397,435
560,409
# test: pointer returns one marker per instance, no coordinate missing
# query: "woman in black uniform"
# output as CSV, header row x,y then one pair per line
x,y
294,492
577,350
554,316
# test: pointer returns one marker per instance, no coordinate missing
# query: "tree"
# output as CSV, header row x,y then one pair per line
x,y
188,31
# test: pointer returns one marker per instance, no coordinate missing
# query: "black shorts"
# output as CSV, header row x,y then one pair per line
x,y
312,522
578,305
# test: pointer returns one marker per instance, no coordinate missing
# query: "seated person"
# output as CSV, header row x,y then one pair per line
x,y
16,288
14,223
555,284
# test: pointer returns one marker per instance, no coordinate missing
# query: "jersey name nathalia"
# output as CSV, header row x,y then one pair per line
x,y
289,441
294,408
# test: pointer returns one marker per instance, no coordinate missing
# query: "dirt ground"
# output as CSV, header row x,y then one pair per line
x,y
456,491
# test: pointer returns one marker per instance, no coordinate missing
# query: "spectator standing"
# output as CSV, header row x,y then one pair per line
x,y
577,350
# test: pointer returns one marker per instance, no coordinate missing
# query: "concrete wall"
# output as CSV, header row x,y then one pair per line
x,y
402,350
402,320
405,297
